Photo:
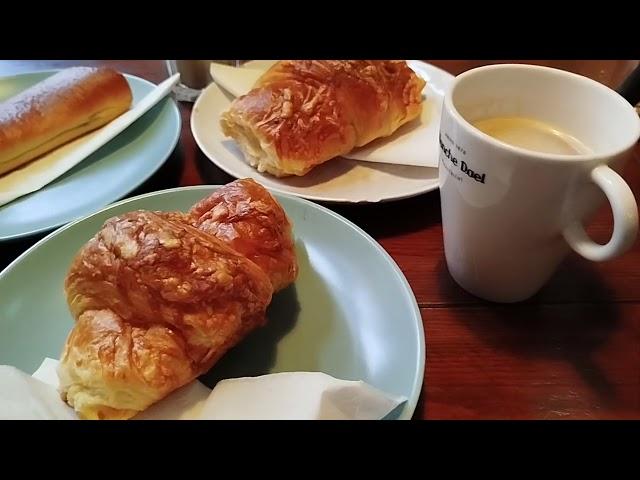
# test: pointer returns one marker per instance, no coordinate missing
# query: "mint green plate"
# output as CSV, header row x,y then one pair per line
x,y
107,175
350,314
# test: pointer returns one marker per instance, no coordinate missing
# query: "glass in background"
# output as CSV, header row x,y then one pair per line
x,y
194,76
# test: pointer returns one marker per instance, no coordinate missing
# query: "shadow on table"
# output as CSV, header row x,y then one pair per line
x,y
420,412
388,219
209,172
569,332
167,176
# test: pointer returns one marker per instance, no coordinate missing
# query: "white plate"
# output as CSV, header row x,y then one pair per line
x,y
340,180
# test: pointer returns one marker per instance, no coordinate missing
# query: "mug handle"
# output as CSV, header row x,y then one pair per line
x,y
625,219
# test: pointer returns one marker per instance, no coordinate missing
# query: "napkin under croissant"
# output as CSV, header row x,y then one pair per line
x,y
159,297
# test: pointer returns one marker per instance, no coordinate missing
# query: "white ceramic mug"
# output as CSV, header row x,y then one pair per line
x,y
510,215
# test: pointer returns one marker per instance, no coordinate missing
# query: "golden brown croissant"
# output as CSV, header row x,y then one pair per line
x,y
57,110
245,216
302,113
157,302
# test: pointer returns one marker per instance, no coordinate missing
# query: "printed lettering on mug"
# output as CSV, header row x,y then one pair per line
x,y
453,159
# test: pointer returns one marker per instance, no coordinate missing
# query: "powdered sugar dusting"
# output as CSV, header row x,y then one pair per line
x,y
35,98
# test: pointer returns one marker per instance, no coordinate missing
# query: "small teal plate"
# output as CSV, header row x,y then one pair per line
x,y
104,177
350,314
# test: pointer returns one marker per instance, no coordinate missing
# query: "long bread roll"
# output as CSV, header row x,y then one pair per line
x,y
57,110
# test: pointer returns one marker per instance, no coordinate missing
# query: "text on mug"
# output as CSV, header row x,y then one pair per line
x,y
461,164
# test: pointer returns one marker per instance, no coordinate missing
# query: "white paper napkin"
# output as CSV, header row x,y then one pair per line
x,y
280,396
415,143
236,81
23,397
297,396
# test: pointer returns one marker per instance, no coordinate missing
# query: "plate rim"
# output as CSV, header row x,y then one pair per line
x,y
318,198
416,387
174,142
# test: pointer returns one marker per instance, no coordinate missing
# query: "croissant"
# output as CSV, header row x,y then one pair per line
x,y
302,113
244,215
157,302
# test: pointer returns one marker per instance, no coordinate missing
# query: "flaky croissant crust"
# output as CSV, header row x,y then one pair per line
x,y
146,274
246,217
159,297
302,113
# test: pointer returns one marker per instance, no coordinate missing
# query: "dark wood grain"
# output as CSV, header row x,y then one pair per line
x,y
572,351
539,361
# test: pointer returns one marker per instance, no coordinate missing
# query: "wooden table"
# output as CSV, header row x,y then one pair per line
x,y
573,351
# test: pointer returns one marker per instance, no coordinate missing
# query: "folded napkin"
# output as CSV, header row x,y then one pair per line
x,y
297,396
280,396
415,143
23,397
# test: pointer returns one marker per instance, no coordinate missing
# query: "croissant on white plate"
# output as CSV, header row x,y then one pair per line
x,y
302,113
